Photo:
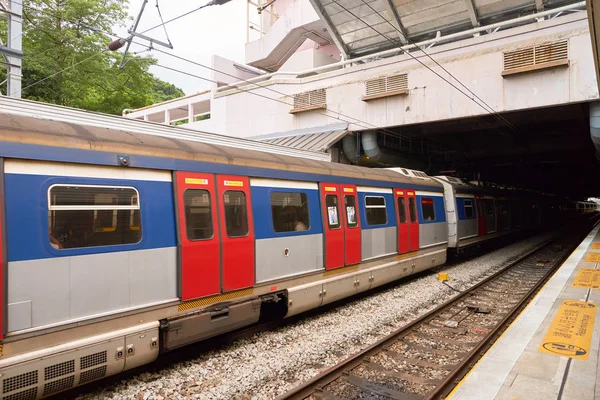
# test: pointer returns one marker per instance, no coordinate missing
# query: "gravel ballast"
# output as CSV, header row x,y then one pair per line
x,y
270,363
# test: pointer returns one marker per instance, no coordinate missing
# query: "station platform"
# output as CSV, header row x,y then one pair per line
x,y
552,349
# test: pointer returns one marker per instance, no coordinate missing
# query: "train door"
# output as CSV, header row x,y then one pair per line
x,y
402,221
352,235
490,215
237,232
481,219
216,236
413,220
332,227
198,233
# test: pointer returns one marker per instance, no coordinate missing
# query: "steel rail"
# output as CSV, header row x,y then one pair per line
x,y
314,385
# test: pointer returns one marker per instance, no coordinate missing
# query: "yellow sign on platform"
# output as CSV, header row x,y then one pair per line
x,y
587,278
596,246
592,257
570,333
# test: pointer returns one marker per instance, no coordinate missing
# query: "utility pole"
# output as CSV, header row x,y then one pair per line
x,y
12,52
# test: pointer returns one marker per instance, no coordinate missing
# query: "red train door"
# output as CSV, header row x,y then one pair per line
x,y
402,221
481,224
352,242
198,235
237,232
332,228
413,220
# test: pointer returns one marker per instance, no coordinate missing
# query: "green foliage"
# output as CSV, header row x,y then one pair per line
x,y
65,33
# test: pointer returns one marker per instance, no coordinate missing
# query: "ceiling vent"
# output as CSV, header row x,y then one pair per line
x,y
386,86
313,100
538,57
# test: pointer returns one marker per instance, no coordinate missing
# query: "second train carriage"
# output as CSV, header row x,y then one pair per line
x,y
106,263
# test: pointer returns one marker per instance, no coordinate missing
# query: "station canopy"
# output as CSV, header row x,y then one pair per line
x,y
354,24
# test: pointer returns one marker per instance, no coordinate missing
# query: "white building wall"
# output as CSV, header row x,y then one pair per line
x,y
477,62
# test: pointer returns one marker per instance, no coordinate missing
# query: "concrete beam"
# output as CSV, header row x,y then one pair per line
x,y
473,12
396,21
335,36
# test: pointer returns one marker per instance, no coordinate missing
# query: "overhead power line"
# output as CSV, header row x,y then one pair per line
x,y
483,105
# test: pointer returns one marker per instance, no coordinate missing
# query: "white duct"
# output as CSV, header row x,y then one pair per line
x,y
595,126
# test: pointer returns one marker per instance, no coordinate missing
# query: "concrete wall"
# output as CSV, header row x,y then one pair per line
x,y
296,22
232,72
477,62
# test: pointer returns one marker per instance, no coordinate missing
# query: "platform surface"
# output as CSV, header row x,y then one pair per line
x,y
551,350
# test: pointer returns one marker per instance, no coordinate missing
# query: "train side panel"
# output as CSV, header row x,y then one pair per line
x,y
86,241
433,229
378,222
289,232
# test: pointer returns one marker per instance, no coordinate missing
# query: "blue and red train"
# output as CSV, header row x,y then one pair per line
x,y
117,246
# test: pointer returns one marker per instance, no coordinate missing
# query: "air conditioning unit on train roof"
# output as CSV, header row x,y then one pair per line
x,y
410,172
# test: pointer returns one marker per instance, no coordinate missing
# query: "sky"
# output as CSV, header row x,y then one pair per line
x,y
217,30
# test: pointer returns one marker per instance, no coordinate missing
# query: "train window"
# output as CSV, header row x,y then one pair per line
x,y
290,211
93,215
489,206
350,203
468,204
198,214
412,209
428,209
236,217
402,210
376,212
333,215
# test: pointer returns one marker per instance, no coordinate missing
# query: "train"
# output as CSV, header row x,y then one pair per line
x,y
117,246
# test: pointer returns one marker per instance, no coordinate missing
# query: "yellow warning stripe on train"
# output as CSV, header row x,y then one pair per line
x,y
188,305
340,270
570,333
587,278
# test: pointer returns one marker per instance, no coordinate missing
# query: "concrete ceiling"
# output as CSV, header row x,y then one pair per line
x,y
551,149
359,26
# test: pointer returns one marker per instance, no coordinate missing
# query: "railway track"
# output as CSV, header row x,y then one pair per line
x,y
427,358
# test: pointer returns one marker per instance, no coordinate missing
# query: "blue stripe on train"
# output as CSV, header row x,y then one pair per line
x,y
438,207
51,153
27,216
263,218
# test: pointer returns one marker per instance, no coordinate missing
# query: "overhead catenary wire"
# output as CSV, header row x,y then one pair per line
x,y
210,3
409,40
338,116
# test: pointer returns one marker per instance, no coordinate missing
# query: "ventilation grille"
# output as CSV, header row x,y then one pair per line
x,y
310,100
388,85
92,360
29,394
20,381
536,57
92,374
59,385
56,370
421,174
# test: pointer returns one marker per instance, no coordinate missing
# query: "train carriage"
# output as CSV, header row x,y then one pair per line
x,y
116,246
121,245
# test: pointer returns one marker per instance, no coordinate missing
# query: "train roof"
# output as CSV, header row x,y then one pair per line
x,y
34,132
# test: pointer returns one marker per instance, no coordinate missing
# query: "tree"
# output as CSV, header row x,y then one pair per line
x,y
68,33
